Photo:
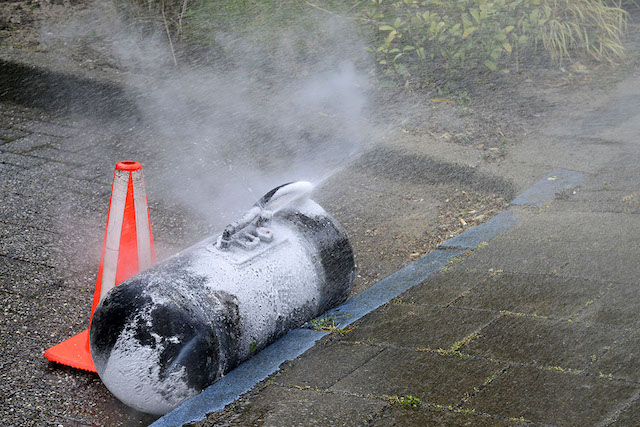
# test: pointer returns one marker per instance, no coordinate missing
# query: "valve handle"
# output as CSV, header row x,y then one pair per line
x,y
260,214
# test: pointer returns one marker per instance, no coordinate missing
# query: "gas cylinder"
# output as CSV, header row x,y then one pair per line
x,y
167,333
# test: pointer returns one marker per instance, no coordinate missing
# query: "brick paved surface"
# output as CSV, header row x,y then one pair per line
x,y
539,326
56,167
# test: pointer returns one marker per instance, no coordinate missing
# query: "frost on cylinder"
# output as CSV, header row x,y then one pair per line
x,y
164,335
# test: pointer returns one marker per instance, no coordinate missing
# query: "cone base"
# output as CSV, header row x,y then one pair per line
x,y
73,352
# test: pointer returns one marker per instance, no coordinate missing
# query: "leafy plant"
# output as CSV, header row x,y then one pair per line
x,y
412,401
467,33
328,323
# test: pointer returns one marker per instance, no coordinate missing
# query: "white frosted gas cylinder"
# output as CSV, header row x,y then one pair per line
x,y
165,334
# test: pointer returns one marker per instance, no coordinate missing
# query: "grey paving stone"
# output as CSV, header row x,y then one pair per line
x,y
630,416
418,326
28,244
28,143
581,228
8,134
444,287
58,212
541,341
89,142
26,279
518,257
611,262
433,378
401,415
618,306
89,171
323,366
20,160
67,157
533,294
580,206
47,128
80,186
391,286
622,360
279,406
551,397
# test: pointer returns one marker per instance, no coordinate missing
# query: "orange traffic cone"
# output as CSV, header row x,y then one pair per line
x,y
127,249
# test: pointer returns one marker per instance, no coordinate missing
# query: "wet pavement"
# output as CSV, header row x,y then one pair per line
x,y
56,167
537,326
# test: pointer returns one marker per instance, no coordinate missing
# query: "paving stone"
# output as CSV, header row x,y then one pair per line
x,y
618,306
401,415
89,171
26,279
581,206
20,160
87,142
622,360
9,134
28,143
418,326
279,406
433,378
445,287
80,186
630,416
518,257
27,243
612,262
533,294
323,366
551,397
47,128
67,157
541,341
603,194
583,228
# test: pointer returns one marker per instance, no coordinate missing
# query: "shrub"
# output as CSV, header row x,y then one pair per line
x,y
466,33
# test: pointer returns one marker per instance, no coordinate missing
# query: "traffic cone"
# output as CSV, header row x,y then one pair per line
x,y
127,249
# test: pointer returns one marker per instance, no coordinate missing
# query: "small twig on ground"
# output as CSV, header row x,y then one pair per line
x,y
335,14
182,12
355,5
166,27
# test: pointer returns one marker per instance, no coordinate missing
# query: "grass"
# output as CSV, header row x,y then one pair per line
x,y
593,26
328,324
409,400
284,33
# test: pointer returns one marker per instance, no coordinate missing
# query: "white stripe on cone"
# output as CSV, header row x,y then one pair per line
x,y
142,221
114,230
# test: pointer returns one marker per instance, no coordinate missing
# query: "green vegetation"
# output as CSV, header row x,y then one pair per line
x,y
328,323
468,33
411,401
411,40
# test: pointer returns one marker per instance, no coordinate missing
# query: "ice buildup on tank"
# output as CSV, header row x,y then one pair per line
x,y
164,335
